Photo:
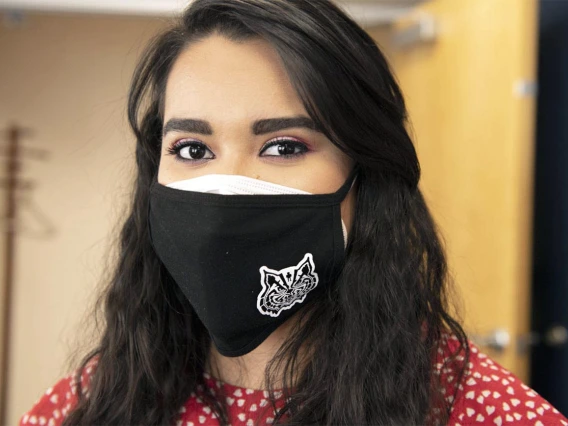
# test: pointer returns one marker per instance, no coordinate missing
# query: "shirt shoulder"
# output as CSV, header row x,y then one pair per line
x,y
53,405
492,395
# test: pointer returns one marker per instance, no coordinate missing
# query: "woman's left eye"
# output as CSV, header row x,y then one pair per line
x,y
284,148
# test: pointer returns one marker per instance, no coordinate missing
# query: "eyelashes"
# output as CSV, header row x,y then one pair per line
x,y
192,151
195,150
284,147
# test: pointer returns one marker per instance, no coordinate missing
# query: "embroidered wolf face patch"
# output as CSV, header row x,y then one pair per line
x,y
282,289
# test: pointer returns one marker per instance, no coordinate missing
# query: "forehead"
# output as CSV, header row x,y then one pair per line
x,y
220,78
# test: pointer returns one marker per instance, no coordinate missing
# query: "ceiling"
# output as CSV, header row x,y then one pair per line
x,y
366,12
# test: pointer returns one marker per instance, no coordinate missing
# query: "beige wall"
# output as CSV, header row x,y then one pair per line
x,y
66,77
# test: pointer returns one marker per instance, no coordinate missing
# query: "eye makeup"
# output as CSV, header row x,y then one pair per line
x,y
284,147
195,149
281,148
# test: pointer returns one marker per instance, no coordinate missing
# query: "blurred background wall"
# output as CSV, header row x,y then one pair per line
x,y
468,70
65,77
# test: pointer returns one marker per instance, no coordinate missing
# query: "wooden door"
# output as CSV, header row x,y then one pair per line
x,y
472,112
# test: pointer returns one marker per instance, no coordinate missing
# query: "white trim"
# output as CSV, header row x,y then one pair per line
x,y
114,7
367,13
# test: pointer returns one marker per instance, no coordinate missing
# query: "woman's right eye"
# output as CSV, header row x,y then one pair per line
x,y
190,151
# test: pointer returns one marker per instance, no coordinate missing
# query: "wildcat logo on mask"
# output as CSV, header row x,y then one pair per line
x,y
282,289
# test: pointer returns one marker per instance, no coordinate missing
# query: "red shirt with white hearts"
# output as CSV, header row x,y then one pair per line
x,y
489,395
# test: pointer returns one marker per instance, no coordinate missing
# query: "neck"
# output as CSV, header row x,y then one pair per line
x,y
248,370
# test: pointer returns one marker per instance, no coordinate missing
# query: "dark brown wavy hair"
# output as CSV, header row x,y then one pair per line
x,y
373,338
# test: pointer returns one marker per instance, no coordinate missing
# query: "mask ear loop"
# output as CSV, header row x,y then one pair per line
x,y
344,229
148,212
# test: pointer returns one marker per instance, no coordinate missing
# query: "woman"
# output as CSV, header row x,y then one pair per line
x,y
279,264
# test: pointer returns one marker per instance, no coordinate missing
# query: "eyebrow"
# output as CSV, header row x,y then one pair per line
x,y
259,127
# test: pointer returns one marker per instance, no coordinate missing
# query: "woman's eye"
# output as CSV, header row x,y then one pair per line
x,y
284,148
191,151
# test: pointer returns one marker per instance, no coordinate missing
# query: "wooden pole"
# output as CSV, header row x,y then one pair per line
x,y
12,168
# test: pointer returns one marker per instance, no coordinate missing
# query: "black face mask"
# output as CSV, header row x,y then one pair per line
x,y
247,263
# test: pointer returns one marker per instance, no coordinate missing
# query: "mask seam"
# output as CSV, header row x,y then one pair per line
x,y
166,233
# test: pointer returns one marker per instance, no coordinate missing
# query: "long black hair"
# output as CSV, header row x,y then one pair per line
x,y
373,339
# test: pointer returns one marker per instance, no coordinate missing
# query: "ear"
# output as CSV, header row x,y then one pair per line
x,y
271,277
306,266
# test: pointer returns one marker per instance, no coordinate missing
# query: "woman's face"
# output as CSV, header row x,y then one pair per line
x,y
229,109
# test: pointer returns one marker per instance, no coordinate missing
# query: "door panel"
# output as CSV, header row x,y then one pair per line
x,y
471,109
